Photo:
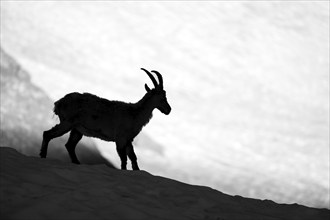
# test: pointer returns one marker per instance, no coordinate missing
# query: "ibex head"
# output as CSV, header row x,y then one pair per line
x,y
158,93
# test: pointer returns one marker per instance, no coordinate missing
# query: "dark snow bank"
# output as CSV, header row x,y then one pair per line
x,y
34,188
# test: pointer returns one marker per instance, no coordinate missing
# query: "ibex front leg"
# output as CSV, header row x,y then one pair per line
x,y
56,131
121,150
131,155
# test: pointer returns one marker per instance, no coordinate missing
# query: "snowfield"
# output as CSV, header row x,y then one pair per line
x,y
35,188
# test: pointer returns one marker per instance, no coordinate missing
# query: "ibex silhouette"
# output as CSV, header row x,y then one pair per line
x,y
89,115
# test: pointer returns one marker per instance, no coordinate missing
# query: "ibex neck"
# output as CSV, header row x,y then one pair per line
x,y
144,109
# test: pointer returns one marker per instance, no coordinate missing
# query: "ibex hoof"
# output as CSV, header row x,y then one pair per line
x,y
43,154
136,167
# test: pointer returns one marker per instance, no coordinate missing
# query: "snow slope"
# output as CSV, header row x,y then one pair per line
x,y
35,188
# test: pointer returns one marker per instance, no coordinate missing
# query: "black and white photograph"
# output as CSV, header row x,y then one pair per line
x,y
169,110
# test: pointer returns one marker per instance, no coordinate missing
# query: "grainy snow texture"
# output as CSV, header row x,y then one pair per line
x,y
36,189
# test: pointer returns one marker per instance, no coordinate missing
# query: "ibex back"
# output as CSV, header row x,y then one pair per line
x,y
92,116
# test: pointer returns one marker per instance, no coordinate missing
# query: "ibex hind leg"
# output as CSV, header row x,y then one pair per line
x,y
75,137
56,131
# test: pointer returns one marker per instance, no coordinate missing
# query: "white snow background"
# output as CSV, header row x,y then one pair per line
x,y
248,83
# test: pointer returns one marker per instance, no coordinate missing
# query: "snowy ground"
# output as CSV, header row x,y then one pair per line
x,y
38,189
248,83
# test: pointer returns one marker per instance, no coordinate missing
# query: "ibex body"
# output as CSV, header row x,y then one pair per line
x,y
92,116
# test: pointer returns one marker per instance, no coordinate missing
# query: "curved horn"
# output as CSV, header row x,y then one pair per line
x,y
160,78
151,77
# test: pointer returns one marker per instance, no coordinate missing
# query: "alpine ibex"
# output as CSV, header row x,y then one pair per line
x,y
89,115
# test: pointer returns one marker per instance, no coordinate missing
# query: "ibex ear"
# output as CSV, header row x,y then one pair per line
x,y
147,87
